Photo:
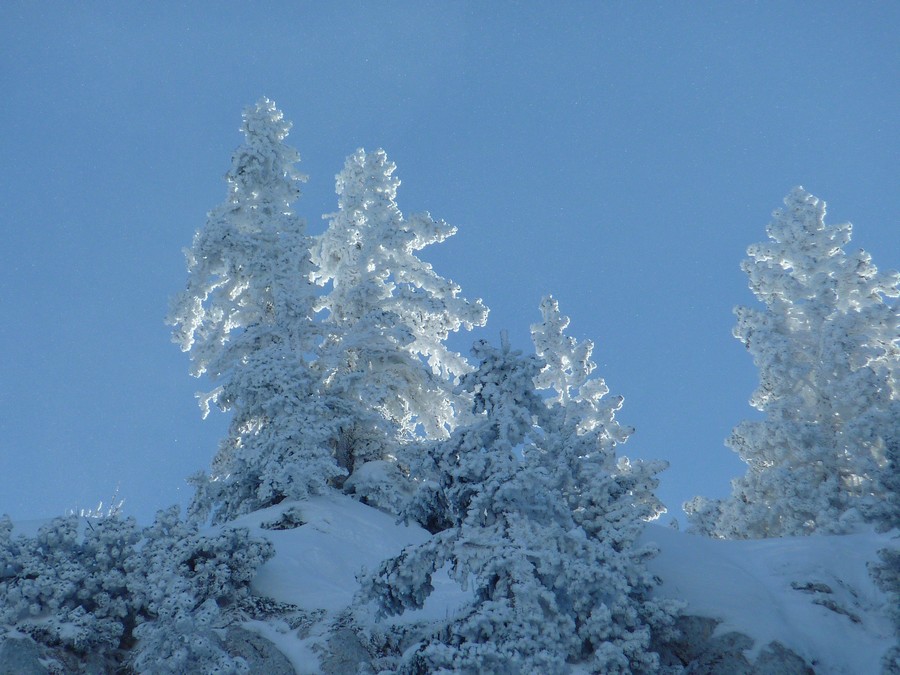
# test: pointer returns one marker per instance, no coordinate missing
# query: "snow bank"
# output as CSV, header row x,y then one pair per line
x,y
315,565
812,594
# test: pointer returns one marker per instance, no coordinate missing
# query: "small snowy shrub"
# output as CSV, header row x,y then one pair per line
x,y
95,587
886,575
187,582
381,484
68,586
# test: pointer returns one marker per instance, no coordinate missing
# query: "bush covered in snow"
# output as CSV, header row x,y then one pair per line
x,y
886,574
69,586
109,592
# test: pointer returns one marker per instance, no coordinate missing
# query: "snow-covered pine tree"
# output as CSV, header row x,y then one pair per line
x,y
826,345
586,459
388,317
542,525
246,319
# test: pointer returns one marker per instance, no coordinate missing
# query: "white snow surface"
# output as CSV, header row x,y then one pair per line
x,y
751,587
315,567
747,585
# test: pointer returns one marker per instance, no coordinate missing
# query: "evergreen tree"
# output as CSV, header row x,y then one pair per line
x,y
388,317
586,462
246,318
826,345
541,521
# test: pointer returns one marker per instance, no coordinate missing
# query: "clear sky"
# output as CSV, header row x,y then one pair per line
x,y
618,155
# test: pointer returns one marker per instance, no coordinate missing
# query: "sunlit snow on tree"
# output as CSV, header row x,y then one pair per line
x,y
388,312
825,457
246,319
316,398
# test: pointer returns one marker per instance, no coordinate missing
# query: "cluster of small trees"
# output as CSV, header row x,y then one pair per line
x,y
103,594
331,354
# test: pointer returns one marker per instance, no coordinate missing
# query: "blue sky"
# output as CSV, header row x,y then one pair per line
x,y
618,155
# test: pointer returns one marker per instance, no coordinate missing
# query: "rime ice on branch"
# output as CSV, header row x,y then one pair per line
x,y
388,312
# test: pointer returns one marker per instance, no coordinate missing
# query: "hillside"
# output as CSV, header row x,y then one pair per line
x,y
811,594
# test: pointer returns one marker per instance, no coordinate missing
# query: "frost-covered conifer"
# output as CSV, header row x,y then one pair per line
x,y
246,319
388,316
541,524
826,345
587,433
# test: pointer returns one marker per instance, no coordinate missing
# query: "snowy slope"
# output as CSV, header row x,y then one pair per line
x,y
316,564
813,594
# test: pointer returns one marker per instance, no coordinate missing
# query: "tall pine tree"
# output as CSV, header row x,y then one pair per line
x,y
824,457
246,319
388,317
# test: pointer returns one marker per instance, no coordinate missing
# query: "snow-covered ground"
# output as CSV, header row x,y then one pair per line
x,y
812,594
316,565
